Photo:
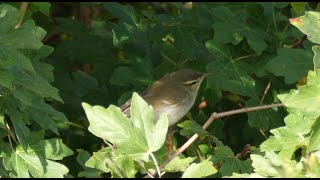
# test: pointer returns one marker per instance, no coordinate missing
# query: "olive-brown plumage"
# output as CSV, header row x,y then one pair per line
x,y
174,94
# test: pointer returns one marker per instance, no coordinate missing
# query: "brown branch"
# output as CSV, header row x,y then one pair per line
x,y
213,117
244,152
265,92
300,41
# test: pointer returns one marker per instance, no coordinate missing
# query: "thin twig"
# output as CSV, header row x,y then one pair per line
x,y
167,58
263,134
10,133
300,41
264,95
156,164
23,8
244,152
149,174
213,117
265,91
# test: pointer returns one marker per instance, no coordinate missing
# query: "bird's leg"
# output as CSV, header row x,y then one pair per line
x,y
169,142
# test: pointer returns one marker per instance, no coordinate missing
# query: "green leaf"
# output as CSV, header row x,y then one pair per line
x,y
39,111
305,99
229,30
271,13
52,149
245,175
43,7
97,160
142,117
199,170
21,130
292,64
119,164
231,163
313,77
273,166
312,165
255,38
136,139
18,36
309,25
82,158
316,58
177,164
231,75
315,137
218,49
35,160
298,7
190,127
112,125
83,83
263,119
125,13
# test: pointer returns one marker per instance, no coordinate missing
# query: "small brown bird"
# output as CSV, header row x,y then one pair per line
x,y
174,94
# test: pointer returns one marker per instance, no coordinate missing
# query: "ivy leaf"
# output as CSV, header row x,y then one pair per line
x,y
309,25
231,163
137,137
199,170
177,164
292,64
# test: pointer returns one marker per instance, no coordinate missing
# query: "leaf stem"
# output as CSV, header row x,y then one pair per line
x,y
170,60
213,117
75,125
244,57
156,164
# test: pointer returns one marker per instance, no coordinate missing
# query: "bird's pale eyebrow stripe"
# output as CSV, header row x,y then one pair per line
x,y
192,81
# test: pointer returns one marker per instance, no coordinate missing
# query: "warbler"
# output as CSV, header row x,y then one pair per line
x,y
173,94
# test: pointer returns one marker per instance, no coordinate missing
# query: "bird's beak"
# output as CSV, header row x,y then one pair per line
x,y
206,75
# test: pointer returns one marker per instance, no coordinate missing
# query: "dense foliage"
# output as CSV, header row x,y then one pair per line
x,y
66,69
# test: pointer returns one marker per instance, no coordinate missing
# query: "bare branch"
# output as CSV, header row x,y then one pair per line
x,y
23,8
213,117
